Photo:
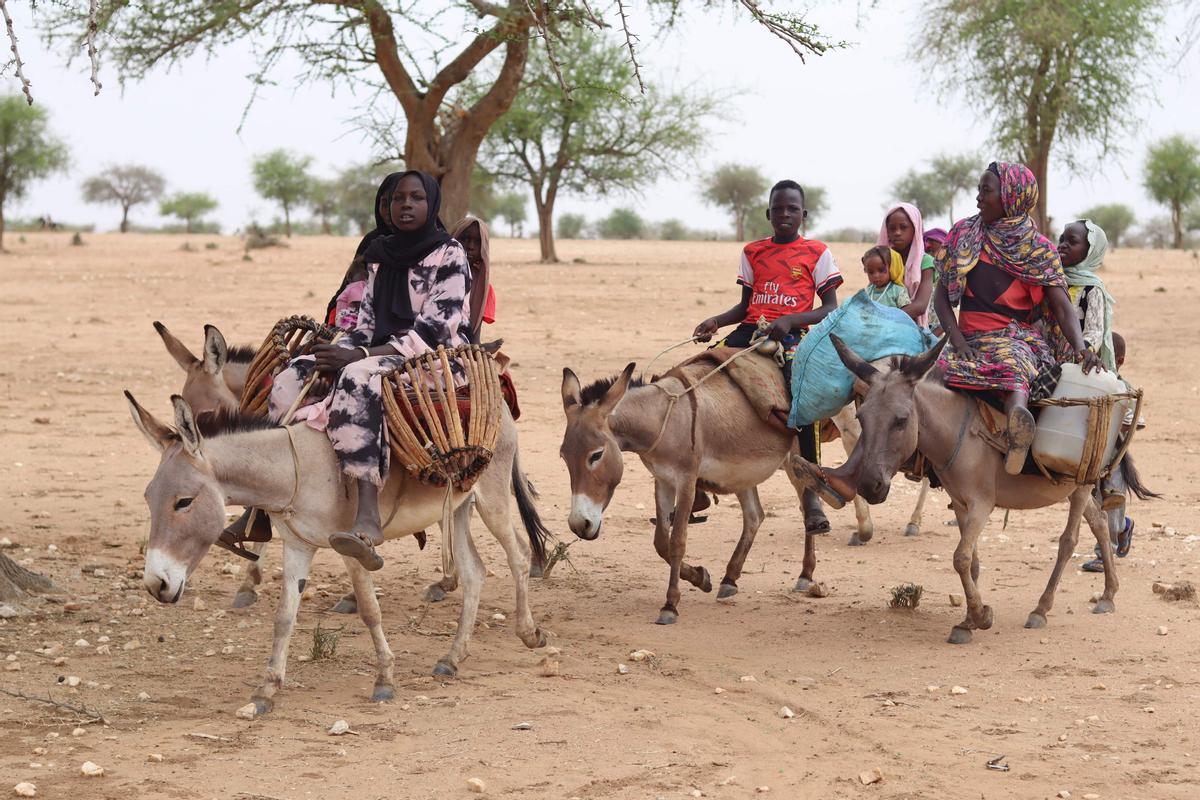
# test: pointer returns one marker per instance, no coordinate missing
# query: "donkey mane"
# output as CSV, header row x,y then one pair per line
x,y
904,364
223,422
242,354
594,392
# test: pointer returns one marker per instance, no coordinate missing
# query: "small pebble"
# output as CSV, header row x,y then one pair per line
x,y
79,732
1100,687
154,757
72,681
957,690
956,600
132,644
1062,737
198,604
476,785
1091,796
786,713
548,669
1162,630
25,789
817,590
143,696
622,669
82,643
248,711
748,679
338,728
763,789
641,655
499,617
1064,794
718,690
91,769
697,793
1148,709
874,776
931,688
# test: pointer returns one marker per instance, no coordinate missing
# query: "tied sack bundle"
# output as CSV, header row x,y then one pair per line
x,y
441,433
821,384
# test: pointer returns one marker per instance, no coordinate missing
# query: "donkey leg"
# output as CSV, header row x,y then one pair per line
x,y
1098,520
496,513
368,611
246,594
664,507
810,541
297,558
851,430
752,517
471,572
913,528
866,526
676,550
971,522
1066,547
348,603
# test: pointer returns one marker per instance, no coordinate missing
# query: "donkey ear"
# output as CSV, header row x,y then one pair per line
x,y
185,426
157,434
571,392
216,352
917,368
617,391
861,369
183,357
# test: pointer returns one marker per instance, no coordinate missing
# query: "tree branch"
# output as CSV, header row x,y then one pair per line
x,y
93,53
629,44
12,38
82,710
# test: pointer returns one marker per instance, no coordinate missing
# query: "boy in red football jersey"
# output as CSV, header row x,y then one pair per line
x,y
781,279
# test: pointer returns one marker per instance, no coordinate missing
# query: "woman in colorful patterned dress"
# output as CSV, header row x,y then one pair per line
x,y
415,299
1008,282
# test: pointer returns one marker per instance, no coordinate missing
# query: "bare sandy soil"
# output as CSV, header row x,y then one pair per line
x,y
1100,706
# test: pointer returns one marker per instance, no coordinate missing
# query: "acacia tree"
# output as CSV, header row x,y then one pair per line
x,y
1115,218
28,151
510,207
283,177
373,45
1173,178
1046,72
188,206
594,140
957,173
737,188
926,190
322,200
126,185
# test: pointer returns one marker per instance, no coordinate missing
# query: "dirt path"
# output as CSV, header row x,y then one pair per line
x,y
1093,705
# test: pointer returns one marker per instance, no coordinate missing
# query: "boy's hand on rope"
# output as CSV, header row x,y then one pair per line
x,y
778,329
705,330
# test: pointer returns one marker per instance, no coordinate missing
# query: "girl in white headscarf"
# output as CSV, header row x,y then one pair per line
x,y
1082,248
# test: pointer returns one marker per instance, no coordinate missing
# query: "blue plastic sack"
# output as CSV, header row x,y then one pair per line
x,y
821,384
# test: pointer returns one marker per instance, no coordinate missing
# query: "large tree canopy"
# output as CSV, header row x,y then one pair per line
x,y
414,55
28,151
1046,72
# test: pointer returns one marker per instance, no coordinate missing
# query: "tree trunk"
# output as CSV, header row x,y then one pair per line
x,y
1039,164
545,214
1,223
325,229
739,225
1177,224
287,220
124,218
187,224
17,583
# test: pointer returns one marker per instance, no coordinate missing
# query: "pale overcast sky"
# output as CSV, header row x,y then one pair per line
x,y
819,123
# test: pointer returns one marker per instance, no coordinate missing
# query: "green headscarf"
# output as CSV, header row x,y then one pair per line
x,y
1084,274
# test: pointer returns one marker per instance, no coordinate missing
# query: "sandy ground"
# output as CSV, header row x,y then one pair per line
x,y
1096,705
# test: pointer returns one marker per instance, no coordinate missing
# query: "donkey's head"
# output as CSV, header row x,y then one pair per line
x,y
205,388
590,449
888,415
187,504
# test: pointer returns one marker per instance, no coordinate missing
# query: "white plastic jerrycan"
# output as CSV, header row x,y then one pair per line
x,y
1062,430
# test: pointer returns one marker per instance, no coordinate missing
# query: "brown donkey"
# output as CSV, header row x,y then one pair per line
x,y
215,381
712,437
906,408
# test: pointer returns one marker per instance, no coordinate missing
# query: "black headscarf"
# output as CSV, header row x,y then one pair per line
x,y
396,254
382,228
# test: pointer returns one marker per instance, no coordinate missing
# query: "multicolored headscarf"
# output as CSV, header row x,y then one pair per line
x,y
1012,243
936,234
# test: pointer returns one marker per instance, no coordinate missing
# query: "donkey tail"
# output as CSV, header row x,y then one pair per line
x,y
1133,480
538,533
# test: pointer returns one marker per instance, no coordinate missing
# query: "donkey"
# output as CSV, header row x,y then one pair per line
x,y
713,438
906,408
293,473
215,381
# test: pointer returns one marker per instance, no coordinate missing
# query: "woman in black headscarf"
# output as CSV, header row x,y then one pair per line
x,y
383,227
416,299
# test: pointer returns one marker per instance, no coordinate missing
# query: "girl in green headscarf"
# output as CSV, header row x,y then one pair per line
x,y
1082,248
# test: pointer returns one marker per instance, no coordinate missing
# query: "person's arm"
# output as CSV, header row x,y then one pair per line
x,y
945,315
805,319
705,330
1068,322
918,305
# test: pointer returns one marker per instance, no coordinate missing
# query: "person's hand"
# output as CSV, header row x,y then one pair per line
x,y
705,330
964,350
1088,360
332,359
778,329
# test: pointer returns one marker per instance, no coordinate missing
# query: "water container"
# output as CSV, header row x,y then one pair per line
x,y
1062,430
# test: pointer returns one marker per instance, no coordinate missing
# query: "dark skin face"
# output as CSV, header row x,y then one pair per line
x,y
385,209
410,205
785,213
877,271
932,246
991,207
472,242
1073,244
900,231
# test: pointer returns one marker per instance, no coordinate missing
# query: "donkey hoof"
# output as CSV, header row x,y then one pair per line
x,y
245,598
856,540
382,694
434,593
985,619
1035,620
959,635
262,705
538,639
443,669
667,617
705,581
802,585
726,590
1104,607
912,529
347,605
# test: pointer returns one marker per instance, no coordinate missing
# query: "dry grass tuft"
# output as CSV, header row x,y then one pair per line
x,y
324,643
906,595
